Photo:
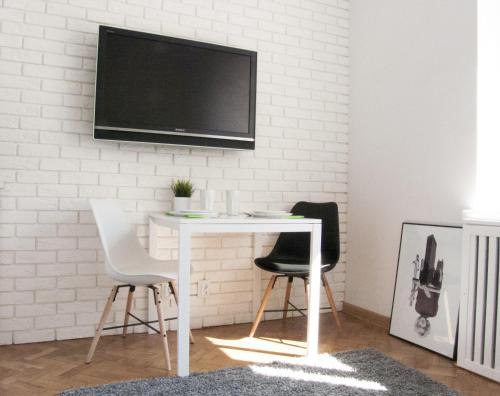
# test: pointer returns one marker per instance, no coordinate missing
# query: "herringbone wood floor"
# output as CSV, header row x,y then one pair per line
x,y
45,368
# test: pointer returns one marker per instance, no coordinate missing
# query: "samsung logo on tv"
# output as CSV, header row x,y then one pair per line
x,y
179,130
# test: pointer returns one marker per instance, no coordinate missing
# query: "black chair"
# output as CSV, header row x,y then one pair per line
x,y
290,256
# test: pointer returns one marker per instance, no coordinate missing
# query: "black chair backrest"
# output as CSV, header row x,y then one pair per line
x,y
297,244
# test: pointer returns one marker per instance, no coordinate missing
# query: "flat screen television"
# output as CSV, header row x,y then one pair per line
x,y
159,89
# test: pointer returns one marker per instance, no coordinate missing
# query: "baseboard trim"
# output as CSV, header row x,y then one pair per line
x,y
367,316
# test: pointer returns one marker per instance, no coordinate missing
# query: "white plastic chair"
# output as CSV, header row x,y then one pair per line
x,y
130,265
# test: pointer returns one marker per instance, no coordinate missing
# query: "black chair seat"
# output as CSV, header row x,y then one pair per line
x,y
289,266
290,255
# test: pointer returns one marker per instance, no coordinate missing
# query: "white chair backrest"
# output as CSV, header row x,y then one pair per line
x,y
120,243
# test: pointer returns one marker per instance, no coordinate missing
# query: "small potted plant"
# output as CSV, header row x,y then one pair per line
x,y
183,190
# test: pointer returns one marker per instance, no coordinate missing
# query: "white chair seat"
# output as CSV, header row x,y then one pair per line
x,y
125,259
149,272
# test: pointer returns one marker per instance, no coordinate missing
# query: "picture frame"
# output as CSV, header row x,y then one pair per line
x,y
426,297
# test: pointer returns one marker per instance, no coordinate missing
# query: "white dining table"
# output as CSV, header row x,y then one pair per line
x,y
186,227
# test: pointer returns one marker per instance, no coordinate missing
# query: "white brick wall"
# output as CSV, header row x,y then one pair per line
x,y
52,280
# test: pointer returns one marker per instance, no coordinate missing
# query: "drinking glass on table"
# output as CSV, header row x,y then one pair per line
x,y
232,202
207,198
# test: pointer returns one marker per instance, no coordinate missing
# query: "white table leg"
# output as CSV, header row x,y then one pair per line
x,y
314,292
153,252
257,279
183,315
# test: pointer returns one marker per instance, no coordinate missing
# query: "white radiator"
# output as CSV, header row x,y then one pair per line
x,y
479,324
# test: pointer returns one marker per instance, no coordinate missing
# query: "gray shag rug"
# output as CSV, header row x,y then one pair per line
x,y
358,372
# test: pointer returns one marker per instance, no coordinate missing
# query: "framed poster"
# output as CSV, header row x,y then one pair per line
x,y
427,290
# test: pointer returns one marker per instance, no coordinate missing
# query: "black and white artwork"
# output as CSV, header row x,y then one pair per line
x,y
427,291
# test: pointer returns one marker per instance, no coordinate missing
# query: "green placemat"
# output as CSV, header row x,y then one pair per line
x,y
188,215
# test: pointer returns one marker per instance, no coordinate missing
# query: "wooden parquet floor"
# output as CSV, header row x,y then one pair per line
x,y
46,368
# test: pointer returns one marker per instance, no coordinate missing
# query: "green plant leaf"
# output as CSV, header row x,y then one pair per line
x,y
182,188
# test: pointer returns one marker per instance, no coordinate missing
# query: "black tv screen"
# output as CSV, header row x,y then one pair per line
x,y
159,89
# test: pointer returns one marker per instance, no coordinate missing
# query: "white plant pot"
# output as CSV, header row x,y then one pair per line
x,y
181,203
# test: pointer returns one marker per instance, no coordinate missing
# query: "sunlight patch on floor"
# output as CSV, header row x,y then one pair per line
x,y
300,375
323,361
259,350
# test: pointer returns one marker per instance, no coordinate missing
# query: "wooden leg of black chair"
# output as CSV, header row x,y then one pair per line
x,y
306,292
287,296
161,323
263,304
173,290
102,322
127,309
329,295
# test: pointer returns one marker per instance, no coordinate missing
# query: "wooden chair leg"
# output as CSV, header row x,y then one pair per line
x,y
306,292
263,304
329,295
287,296
100,326
173,290
130,297
161,323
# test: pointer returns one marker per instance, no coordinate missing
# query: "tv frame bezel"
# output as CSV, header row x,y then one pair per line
x,y
187,137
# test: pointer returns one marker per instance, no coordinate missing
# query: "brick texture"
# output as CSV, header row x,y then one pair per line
x,y
52,279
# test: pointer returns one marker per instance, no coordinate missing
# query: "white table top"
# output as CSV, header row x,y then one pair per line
x,y
224,219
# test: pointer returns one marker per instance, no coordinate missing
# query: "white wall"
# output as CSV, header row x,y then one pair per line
x,y
52,282
487,198
412,131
